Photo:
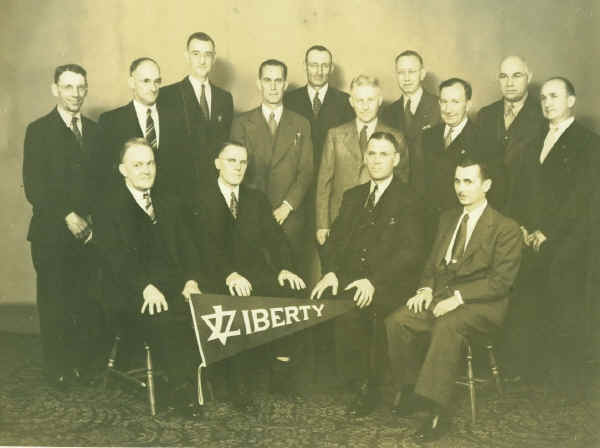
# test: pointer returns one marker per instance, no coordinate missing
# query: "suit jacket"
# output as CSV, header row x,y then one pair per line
x,y
387,248
201,137
342,167
334,111
253,245
173,159
489,266
118,238
280,166
58,176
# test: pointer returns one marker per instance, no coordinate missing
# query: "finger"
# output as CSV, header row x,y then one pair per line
x,y
165,305
356,295
151,308
320,290
237,290
301,283
351,285
245,290
369,300
313,293
334,289
231,291
418,305
144,305
281,280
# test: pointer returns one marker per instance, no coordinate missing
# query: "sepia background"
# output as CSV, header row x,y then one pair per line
x,y
464,38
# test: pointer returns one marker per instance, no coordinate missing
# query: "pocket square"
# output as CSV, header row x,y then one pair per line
x,y
392,221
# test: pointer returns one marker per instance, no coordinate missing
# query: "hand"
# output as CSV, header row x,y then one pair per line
x,y
525,235
329,280
190,287
536,239
322,235
295,281
238,285
364,292
153,300
420,301
445,306
281,213
77,225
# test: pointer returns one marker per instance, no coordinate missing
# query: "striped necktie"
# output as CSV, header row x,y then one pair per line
x,y
151,131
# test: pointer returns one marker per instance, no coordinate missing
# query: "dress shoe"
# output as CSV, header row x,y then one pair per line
x,y
433,428
406,403
364,402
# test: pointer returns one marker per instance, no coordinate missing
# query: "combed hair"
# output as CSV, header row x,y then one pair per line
x,y
568,84
136,63
227,143
135,141
468,159
453,81
387,136
75,68
199,35
318,48
409,53
273,62
364,80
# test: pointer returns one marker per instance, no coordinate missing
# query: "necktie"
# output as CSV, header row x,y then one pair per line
x,y
149,208
151,131
316,104
233,205
509,115
362,139
461,238
204,104
448,137
272,124
76,131
549,141
370,204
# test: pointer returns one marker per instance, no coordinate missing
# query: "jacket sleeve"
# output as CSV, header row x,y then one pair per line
x,y
324,182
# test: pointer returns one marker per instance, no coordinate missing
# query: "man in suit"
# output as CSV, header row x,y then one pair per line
x,y
443,144
280,154
373,256
509,127
555,209
205,110
58,176
343,163
465,289
249,255
414,112
142,117
150,268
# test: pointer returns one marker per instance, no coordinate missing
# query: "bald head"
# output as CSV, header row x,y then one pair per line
x,y
514,77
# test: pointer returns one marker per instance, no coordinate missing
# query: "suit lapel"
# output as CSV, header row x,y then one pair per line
x,y
307,105
447,232
285,138
133,119
351,141
480,233
261,137
561,148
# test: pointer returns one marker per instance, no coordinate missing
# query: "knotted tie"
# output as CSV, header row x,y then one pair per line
x,y
76,131
272,124
362,139
233,205
408,115
316,104
509,115
151,131
448,137
458,249
149,208
204,104
370,204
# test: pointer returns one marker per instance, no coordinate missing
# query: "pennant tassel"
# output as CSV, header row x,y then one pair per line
x,y
202,357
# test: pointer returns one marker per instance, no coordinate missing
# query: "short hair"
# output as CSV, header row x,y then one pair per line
x,y
273,62
228,143
568,84
134,141
468,159
199,35
137,62
453,81
386,136
409,53
75,68
318,48
364,80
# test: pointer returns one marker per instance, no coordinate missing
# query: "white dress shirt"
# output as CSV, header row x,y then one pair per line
x,y
553,135
266,110
381,187
141,110
474,216
415,99
197,84
138,195
370,127
312,92
226,191
456,130
68,118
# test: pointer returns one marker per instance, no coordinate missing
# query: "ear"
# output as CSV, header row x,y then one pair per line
x,y
571,101
423,73
285,85
529,77
131,82
487,184
350,101
54,89
379,100
186,56
468,105
122,169
396,158
259,85
218,164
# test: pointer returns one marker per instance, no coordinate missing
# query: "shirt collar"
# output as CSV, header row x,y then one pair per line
x,y
382,186
226,190
476,213
563,125
138,195
142,109
415,98
266,110
312,92
516,105
458,128
198,84
370,126
68,116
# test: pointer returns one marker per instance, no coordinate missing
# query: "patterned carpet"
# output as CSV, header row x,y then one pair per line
x,y
33,414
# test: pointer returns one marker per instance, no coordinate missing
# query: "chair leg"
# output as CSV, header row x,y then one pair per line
x,y
471,383
110,365
150,380
495,370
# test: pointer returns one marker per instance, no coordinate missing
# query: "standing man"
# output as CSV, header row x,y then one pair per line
x,y
343,163
509,127
142,117
464,291
414,112
280,154
373,257
205,110
58,176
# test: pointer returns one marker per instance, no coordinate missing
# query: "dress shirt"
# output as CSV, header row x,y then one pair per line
x,y
227,189
138,195
415,99
370,127
197,84
516,105
553,135
474,216
266,110
68,118
141,110
381,187
456,130
312,92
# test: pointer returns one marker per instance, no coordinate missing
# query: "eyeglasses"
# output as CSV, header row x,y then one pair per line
x,y
517,76
314,66
233,161
70,89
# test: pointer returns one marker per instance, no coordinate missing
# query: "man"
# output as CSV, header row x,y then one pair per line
x,y
205,110
150,266
555,209
58,175
248,251
343,163
372,256
414,112
443,144
509,126
142,117
280,154
464,291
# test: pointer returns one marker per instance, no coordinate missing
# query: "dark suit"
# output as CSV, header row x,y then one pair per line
x,y
136,253
202,137
384,246
426,116
484,277
503,148
58,176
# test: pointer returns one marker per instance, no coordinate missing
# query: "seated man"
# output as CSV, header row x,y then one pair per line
x,y
248,251
464,291
149,264
373,255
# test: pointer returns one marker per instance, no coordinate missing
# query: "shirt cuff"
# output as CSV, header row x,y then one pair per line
x,y
459,297
289,205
